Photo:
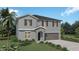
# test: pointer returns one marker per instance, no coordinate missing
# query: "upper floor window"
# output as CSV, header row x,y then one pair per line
x,y
42,23
52,23
30,22
25,22
46,23
57,23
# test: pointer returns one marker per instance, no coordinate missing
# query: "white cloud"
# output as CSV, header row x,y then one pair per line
x,y
70,11
14,10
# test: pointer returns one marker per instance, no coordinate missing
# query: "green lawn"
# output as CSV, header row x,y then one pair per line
x,y
33,46
38,47
68,37
8,42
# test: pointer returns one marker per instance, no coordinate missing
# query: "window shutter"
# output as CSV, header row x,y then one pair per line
x,y
52,23
42,23
30,22
25,22
46,23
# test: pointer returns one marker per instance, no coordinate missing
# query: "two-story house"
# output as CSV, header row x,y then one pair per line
x,y
37,27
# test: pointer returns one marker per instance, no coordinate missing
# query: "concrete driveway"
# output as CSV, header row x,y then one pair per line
x,y
72,46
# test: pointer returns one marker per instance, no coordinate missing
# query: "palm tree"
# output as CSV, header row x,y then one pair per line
x,y
8,22
3,14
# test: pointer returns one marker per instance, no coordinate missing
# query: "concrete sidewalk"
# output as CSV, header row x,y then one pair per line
x,y
72,46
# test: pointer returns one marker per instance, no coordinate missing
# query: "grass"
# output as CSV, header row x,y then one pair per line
x,y
6,42
68,37
30,47
38,47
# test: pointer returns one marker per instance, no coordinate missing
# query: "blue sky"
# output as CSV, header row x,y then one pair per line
x,y
66,14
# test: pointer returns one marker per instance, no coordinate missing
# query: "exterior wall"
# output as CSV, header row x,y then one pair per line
x,y
49,28
21,23
35,23
54,29
21,35
39,23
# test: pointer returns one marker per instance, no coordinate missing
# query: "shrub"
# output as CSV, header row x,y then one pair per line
x,y
24,43
33,40
41,42
3,38
49,43
10,49
16,47
14,39
76,35
1,49
64,49
58,46
46,42
53,45
12,45
3,46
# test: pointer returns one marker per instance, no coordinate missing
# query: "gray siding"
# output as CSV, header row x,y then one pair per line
x,y
21,35
21,23
49,28
35,23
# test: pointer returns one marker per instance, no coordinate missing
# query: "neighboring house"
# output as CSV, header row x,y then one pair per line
x,y
37,27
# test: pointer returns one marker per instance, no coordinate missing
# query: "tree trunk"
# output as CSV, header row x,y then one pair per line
x,y
2,30
8,40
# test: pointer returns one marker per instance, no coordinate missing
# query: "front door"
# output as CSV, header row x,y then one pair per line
x,y
38,35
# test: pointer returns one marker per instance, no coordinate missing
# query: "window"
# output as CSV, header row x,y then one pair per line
x,y
30,22
52,23
25,22
57,23
42,23
46,23
27,34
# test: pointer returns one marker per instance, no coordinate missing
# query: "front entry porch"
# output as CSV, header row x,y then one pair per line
x,y
40,34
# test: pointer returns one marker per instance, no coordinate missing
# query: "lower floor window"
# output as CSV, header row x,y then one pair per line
x,y
27,34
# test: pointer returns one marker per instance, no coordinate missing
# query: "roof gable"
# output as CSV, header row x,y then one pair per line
x,y
25,16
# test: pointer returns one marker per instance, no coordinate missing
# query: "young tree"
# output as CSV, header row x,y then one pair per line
x,y
74,26
77,30
67,28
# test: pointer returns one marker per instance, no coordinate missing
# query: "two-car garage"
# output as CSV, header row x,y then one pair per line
x,y
51,36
